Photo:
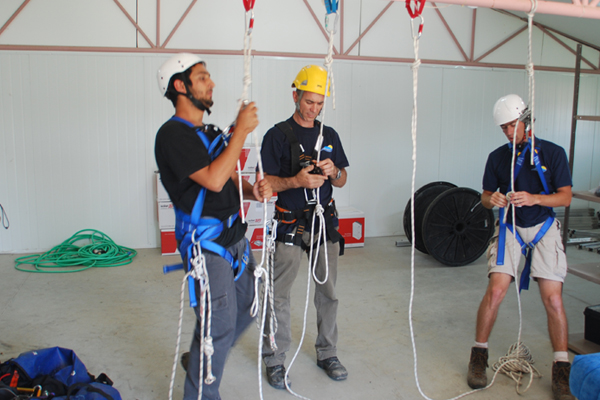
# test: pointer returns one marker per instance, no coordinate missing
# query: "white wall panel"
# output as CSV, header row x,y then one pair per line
x,y
77,135
71,23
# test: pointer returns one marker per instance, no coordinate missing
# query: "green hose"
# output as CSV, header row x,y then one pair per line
x,y
100,252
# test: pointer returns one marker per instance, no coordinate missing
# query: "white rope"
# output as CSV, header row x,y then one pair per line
x,y
265,268
199,272
518,361
499,368
285,379
531,74
319,211
179,327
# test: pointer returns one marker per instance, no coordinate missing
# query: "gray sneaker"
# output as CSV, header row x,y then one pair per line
x,y
560,381
477,377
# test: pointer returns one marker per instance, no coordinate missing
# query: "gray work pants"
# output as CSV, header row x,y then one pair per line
x,y
231,302
286,265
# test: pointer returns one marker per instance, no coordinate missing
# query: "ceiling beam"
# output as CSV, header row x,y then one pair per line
x,y
543,7
11,19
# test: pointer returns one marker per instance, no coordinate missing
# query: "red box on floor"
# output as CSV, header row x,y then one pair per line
x,y
352,226
168,244
255,236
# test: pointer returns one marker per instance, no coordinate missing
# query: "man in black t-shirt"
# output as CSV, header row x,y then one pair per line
x,y
289,152
202,186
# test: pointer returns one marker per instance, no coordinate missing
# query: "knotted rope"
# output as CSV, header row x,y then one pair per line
x,y
199,272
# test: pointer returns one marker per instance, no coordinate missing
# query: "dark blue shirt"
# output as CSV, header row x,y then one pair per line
x,y
556,172
276,158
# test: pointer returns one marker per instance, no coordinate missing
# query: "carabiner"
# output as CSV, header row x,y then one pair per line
x,y
329,22
420,30
250,21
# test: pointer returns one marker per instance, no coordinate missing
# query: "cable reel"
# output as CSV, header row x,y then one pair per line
x,y
451,224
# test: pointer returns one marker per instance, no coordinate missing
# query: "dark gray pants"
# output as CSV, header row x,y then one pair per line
x,y
287,262
231,302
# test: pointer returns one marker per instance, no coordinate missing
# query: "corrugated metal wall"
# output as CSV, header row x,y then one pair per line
x,y
77,135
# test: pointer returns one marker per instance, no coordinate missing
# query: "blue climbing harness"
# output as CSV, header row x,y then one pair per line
x,y
193,228
526,248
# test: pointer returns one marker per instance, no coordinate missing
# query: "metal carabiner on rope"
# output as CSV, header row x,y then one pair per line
x,y
420,31
331,22
249,6
416,12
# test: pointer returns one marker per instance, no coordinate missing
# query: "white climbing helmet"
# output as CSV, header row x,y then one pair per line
x,y
174,65
508,108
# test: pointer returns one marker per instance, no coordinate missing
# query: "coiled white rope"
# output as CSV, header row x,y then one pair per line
x,y
518,361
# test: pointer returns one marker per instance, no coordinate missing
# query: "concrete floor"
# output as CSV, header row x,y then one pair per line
x,y
123,321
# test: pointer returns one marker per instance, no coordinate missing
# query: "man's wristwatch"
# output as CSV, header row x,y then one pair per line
x,y
338,176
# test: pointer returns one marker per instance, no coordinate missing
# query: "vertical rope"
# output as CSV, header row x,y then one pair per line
x,y
531,74
415,69
319,211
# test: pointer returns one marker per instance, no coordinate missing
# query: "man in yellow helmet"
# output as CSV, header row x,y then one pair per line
x,y
289,153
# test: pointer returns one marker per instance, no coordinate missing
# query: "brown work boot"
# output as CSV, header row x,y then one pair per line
x,y
560,381
477,377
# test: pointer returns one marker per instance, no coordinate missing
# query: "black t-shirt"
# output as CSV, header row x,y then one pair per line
x,y
180,152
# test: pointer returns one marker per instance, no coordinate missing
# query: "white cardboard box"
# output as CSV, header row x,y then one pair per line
x,y
254,211
161,193
248,160
352,226
255,236
166,215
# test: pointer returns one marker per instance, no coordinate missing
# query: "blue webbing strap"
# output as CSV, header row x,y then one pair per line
x,y
331,6
203,230
526,249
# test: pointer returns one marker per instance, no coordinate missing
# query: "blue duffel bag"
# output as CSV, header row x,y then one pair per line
x,y
585,377
53,373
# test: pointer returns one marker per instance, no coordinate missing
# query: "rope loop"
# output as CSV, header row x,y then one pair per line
x,y
249,4
533,8
417,10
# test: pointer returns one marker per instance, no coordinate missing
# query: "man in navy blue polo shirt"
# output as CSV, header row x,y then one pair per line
x,y
537,188
289,154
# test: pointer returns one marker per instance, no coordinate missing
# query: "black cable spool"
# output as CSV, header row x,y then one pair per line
x,y
456,227
423,197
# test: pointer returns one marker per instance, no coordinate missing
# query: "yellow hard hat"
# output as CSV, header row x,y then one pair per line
x,y
311,78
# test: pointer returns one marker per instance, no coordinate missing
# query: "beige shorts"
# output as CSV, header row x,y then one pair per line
x,y
548,260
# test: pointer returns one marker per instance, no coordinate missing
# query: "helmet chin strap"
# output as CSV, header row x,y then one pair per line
x,y
197,103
